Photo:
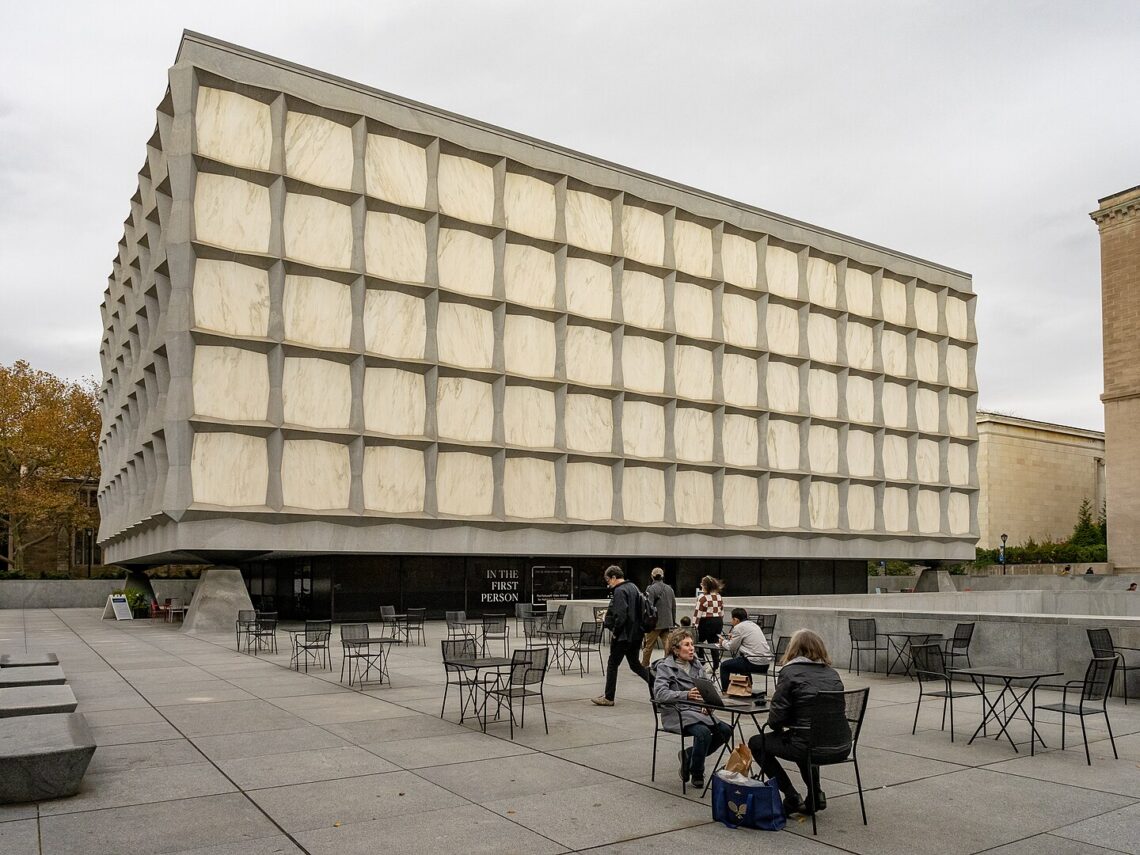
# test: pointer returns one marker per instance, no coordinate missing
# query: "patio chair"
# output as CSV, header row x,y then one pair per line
x,y
659,707
246,620
929,666
452,649
527,679
959,645
1094,690
392,626
263,635
312,645
833,716
532,636
559,616
174,607
599,618
522,610
589,641
778,654
766,622
455,626
865,636
415,626
495,629
351,632
1101,642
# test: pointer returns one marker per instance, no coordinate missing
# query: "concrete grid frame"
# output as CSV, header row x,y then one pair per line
x,y
341,321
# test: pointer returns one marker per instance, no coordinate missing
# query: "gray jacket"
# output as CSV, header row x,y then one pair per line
x,y
748,640
672,683
665,601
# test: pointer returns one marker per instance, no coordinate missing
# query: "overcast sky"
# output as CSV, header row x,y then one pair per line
x,y
977,135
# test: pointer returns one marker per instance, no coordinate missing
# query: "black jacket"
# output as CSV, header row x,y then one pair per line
x,y
799,682
624,616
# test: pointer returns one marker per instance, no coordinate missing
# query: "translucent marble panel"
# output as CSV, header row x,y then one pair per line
x,y
231,213
926,359
395,170
465,409
895,410
823,449
741,440
315,474
589,288
317,311
395,247
821,281
858,291
926,410
589,356
528,275
958,463
893,345
589,224
783,386
466,189
466,262
958,415
693,372
394,324
926,310
529,417
394,479
589,423
782,267
823,505
823,394
529,488
957,367
529,206
860,399
692,248
693,434
643,364
318,151
860,346
896,458
739,378
861,454
233,129
230,383
693,498
465,335
782,324
394,401
739,319
229,469
589,491
741,500
643,494
893,296
643,299
896,509
693,309
860,507
318,231
464,484
316,393
959,513
529,345
783,445
929,512
783,503
643,235
823,338
927,459
738,260
957,319
643,429
231,298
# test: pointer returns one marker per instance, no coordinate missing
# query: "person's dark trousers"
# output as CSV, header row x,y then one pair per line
x,y
630,651
707,630
738,665
767,746
706,740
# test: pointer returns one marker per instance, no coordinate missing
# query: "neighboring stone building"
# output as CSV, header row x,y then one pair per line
x,y
1118,219
1033,477
375,352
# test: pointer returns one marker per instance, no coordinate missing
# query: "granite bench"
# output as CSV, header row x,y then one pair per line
x,y
36,700
43,756
33,675
25,660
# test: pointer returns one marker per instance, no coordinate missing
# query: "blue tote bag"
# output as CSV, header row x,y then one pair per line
x,y
747,803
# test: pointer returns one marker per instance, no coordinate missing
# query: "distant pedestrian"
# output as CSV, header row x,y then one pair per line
x,y
664,601
1089,572
709,615
623,620
1132,587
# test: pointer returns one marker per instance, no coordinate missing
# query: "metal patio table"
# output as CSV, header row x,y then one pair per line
x,y
901,641
374,653
1011,701
474,683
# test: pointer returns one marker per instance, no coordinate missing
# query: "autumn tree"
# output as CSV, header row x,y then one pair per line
x,y
49,435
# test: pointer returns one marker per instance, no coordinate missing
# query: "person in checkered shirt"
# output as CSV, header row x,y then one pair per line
x,y
709,615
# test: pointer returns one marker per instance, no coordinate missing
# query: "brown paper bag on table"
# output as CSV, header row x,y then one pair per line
x,y
739,686
740,760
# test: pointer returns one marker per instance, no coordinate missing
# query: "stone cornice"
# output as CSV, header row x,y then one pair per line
x,y
1117,213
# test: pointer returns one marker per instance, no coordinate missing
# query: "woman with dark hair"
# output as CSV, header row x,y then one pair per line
x,y
806,672
708,617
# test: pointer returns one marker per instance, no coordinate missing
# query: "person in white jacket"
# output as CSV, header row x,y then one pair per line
x,y
747,648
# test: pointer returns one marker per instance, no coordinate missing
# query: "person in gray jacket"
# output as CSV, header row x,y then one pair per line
x,y
665,601
747,648
675,681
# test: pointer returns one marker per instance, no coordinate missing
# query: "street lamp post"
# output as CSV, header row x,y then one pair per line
x,y
1001,552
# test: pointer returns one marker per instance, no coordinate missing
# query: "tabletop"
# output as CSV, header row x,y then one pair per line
x,y
1006,672
482,662
909,634
364,642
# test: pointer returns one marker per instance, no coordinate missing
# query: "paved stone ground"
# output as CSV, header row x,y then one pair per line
x,y
208,751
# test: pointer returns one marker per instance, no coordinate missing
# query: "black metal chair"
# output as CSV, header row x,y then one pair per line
x,y
589,641
1101,642
659,708
526,680
532,637
929,666
246,621
415,626
559,616
311,644
392,626
766,622
452,649
865,636
777,655
599,618
1094,690
959,645
495,629
263,635
522,610
834,715
351,655
455,626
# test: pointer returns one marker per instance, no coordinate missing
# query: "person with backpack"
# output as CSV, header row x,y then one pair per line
x,y
624,621
664,601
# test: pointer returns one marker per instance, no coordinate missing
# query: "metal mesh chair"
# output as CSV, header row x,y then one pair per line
x,y
559,616
1101,642
1094,690
246,620
415,626
659,726
929,666
495,629
312,645
522,610
864,637
778,654
455,626
599,617
351,655
263,634
452,649
527,679
766,622
959,645
589,641
531,633
836,717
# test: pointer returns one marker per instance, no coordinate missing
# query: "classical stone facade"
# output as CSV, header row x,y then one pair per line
x,y
343,322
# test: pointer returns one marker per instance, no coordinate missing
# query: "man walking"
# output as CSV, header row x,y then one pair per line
x,y
665,601
623,620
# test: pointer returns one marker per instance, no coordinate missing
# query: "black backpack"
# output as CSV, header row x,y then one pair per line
x,y
648,614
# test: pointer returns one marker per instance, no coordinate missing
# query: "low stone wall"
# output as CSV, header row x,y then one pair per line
x,y
80,593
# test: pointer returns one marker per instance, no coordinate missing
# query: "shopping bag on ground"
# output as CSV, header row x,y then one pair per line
x,y
740,686
738,801
740,760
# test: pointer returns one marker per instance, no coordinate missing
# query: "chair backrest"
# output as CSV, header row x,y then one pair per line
x,y
929,663
560,615
767,623
600,613
318,630
586,632
416,616
523,610
174,603
836,719
963,632
1098,679
452,618
782,647
387,611
267,615
353,631
530,626
247,615
1101,642
862,629
457,648
528,667
494,625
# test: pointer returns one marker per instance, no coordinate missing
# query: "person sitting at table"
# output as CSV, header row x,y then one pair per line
x,y
805,673
747,648
675,681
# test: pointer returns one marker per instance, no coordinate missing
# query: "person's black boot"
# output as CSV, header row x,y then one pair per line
x,y
793,804
684,756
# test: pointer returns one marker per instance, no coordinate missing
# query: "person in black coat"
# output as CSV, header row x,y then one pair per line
x,y
806,672
623,620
